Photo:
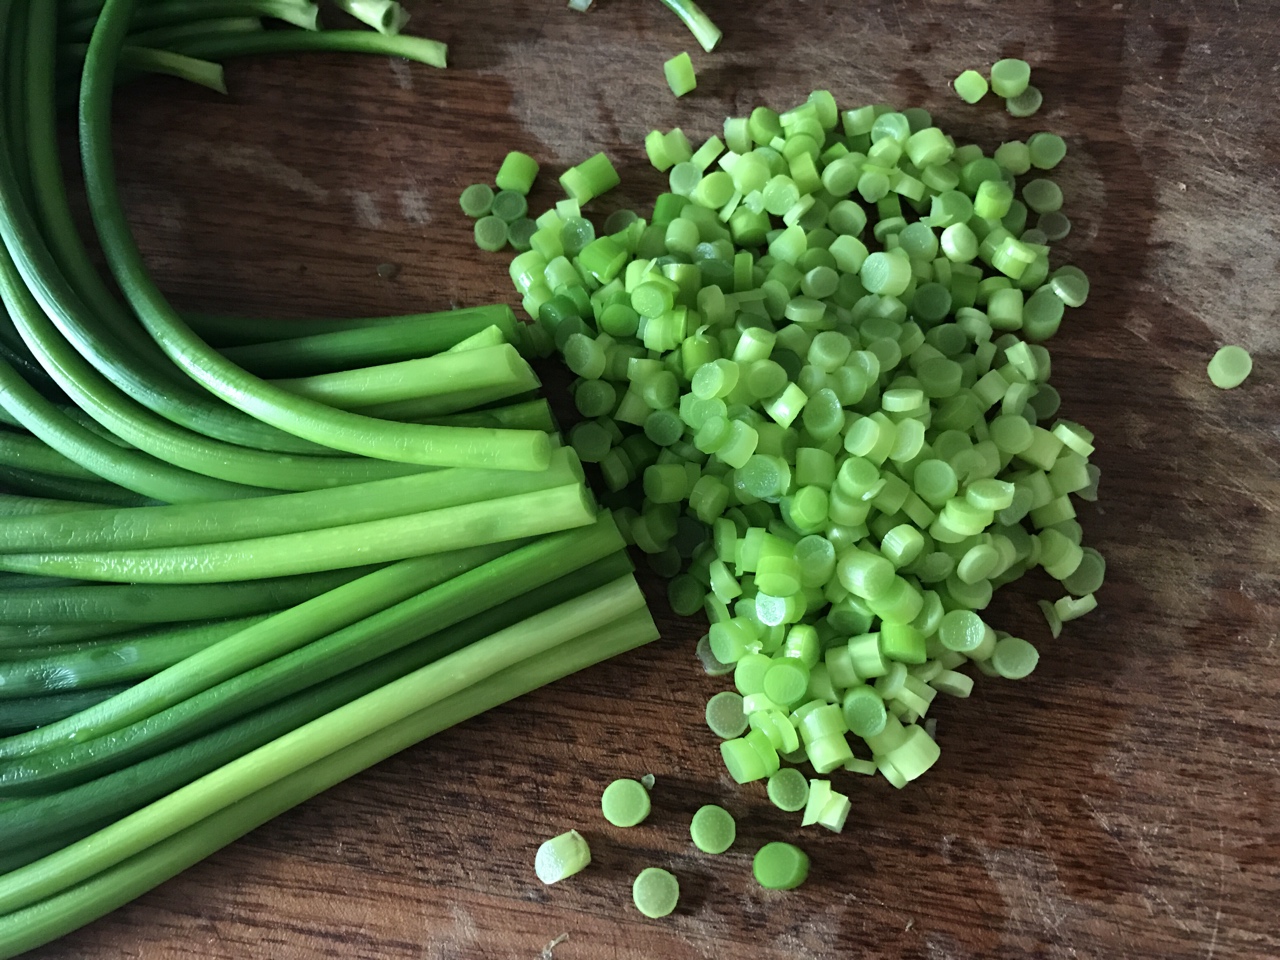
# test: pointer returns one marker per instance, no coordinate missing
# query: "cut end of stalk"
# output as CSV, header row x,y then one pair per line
x,y
308,17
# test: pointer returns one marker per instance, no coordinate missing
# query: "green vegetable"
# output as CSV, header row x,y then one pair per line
x,y
313,676
780,866
385,16
856,432
788,789
625,803
699,24
315,741
561,857
655,892
517,173
971,86
1025,103
1230,367
117,885
681,79
476,200
712,829
725,715
374,541
1010,77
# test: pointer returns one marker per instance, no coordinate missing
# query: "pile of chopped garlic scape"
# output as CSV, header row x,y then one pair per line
x,y
815,386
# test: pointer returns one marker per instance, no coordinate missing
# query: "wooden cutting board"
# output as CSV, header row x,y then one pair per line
x,y
1122,802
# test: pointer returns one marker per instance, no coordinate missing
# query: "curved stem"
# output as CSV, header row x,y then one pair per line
x,y
48,249
412,443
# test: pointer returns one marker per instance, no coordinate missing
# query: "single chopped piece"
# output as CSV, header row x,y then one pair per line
x,y
780,866
971,86
699,24
1025,103
476,199
1010,77
788,789
561,857
713,829
625,803
680,76
491,233
1230,367
725,716
517,173
655,892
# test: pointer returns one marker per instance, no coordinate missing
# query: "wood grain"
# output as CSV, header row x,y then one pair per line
x,y
1121,803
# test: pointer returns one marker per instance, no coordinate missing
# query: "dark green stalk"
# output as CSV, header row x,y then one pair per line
x,y
444,446
66,282
125,790
164,603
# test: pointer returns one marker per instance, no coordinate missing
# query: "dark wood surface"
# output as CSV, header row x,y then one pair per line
x,y
1120,803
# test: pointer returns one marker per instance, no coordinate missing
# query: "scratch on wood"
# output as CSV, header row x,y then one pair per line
x,y
367,212
1222,879
548,952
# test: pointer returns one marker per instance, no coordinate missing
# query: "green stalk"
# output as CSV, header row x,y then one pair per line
x,y
201,72
13,505
438,377
33,634
140,59
128,788
374,541
704,31
132,469
413,443
369,715
22,715
147,603
22,582
28,453
249,648
16,73
228,465
103,892
45,484
229,520
300,13
529,415
112,662
274,347
69,286
161,37
439,619
429,52
426,408
70,11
